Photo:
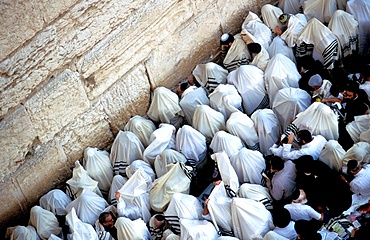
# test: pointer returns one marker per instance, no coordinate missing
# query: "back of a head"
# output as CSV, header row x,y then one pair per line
x,y
352,86
352,165
304,163
283,18
281,217
307,229
305,135
226,38
254,47
277,163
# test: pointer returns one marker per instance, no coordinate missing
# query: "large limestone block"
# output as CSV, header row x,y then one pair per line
x,y
16,137
57,104
12,205
59,44
21,20
90,129
127,98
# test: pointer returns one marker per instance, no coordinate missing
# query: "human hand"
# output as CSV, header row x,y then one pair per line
x,y
117,195
291,138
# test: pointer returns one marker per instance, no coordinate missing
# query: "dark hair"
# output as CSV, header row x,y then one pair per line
x,y
352,165
305,135
103,216
277,163
352,87
184,86
281,217
304,163
296,194
159,217
254,47
334,90
307,229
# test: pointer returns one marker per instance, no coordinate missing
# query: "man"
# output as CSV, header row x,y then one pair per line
x,y
360,185
283,224
107,219
282,183
310,145
259,55
299,210
235,52
291,28
366,78
356,101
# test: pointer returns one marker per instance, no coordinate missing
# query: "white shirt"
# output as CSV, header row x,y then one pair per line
x,y
360,185
288,232
366,87
283,183
312,148
299,211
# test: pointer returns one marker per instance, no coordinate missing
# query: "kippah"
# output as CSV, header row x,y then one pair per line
x,y
224,37
315,80
283,18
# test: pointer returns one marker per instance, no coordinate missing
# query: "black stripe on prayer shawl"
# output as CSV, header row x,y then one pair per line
x,y
119,168
236,63
254,147
267,203
230,192
156,233
351,44
70,192
263,104
225,232
304,50
187,172
174,223
330,54
113,202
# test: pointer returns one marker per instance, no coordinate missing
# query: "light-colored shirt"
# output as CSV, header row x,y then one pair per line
x,y
299,211
366,87
360,185
288,232
312,148
283,183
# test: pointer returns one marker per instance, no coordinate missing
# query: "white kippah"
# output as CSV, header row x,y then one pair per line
x,y
315,80
224,37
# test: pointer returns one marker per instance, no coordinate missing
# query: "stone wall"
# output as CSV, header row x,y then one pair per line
x,y
72,72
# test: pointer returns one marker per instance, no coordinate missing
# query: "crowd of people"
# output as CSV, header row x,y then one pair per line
x,y
276,135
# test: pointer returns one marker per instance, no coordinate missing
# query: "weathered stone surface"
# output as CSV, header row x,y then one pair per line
x,y
90,129
21,20
57,104
45,170
16,137
128,97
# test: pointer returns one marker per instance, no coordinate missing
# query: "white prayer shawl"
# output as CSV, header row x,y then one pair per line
x,y
261,59
134,193
288,102
280,73
141,127
162,163
81,180
274,236
358,126
88,206
80,230
248,165
237,55
227,238
319,119
117,182
162,138
55,201
169,235
360,9
53,237
291,34
227,173
125,149
21,233
219,207
322,10
133,230
323,40
155,231
332,155
191,101
279,46
191,143
359,151
226,99
223,141
258,29
290,6
208,121
197,229
365,136
99,168
257,193
176,180
44,221
164,105
136,165
270,15
240,125
183,206
267,128
345,28
210,75
249,80
250,219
